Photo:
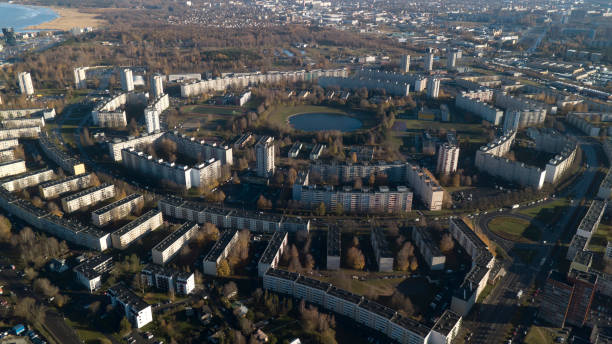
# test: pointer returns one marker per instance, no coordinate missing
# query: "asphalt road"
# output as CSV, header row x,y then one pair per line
x,y
500,307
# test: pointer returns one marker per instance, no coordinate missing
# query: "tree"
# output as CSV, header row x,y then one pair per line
x,y
263,203
414,264
125,326
229,289
5,229
339,209
358,184
402,304
43,286
456,180
320,210
355,258
402,260
446,243
223,268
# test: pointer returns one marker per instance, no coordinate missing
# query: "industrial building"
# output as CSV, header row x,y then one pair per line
x,y
172,244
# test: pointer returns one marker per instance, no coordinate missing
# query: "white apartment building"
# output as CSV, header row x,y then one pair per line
x,y
127,80
12,133
25,180
151,116
168,279
7,155
135,309
273,252
589,223
583,125
476,102
430,251
80,77
25,83
448,158
172,244
136,229
451,59
157,85
334,248
429,60
89,273
201,150
23,122
61,158
380,246
116,210
11,168
55,188
88,197
9,143
116,145
220,250
433,88
265,155
355,83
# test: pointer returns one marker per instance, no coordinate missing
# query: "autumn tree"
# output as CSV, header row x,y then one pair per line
x,y
446,243
223,268
402,260
355,258
5,229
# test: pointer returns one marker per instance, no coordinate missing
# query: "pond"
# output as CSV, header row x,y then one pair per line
x,y
324,121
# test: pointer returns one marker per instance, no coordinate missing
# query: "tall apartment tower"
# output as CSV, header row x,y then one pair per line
x,y
433,88
264,150
157,86
429,60
451,59
448,157
405,65
25,83
151,119
80,77
127,80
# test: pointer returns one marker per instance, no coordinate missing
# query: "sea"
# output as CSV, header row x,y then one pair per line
x,y
21,16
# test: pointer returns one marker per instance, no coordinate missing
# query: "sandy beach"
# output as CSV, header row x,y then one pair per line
x,y
70,18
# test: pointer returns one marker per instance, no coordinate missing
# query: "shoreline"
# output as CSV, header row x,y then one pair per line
x,y
67,19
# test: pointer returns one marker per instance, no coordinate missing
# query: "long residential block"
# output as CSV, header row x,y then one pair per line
x,y
201,150
589,223
429,248
116,210
62,159
220,250
54,188
172,244
13,133
117,145
333,248
273,252
380,246
14,123
25,180
11,168
9,143
230,218
88,197
72,231
168,279
136,229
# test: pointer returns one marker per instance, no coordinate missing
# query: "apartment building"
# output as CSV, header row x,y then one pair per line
x,y
273,252
589,223
347,199
58,156
201,150
7,155
11,168
127,80
555,299
430,251
380,246
117,145
54,188
168,279
88,197
89,273
477,102
605,188
316,151
405,64
429,60
25,83
333,248
294,152
476,279
265,155
220,250
116,210
448,158
583,125
80,77
530,112
371,314
46,113
16,123
148,222
230,218
153,111
243,140
242,80
135,309
356,82
8,143
433,88
25,180
28,132
182,175
70,230
172,244
157,85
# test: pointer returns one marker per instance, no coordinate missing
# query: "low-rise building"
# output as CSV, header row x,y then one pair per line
x,y
88,197
148,222
220,251
89,273
380,246
168,279
428,247
172,244
135,309
116,210
273,252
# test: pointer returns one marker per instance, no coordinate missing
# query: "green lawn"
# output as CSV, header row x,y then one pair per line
x,y
535,211
600,238
514,229
474,128
211,109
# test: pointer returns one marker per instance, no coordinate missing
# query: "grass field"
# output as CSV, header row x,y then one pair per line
x,y
209,117
539,335
535,211
600,238
514,229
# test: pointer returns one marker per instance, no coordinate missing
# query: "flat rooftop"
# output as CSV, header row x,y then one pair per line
x,y
88,191
91,267
116,204
133,224
446,322
224,240
273,247
333,241
64,180
126,296
166,271
174,236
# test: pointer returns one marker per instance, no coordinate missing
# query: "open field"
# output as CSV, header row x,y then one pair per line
x,y
208,117
514,229
70,18
535,211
